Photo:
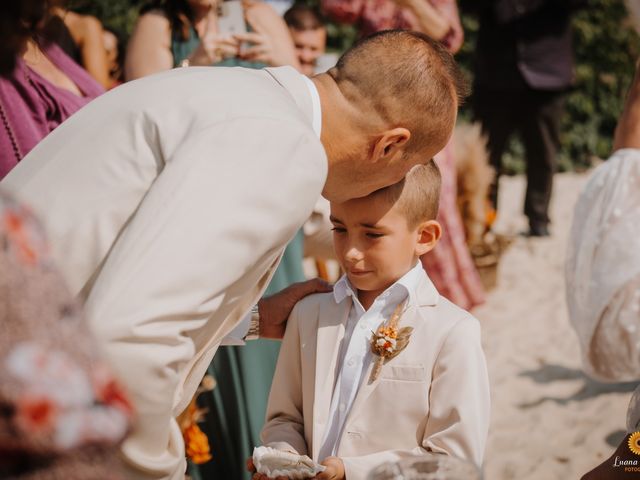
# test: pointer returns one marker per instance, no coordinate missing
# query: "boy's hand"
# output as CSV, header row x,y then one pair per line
x,y
275,310
334,471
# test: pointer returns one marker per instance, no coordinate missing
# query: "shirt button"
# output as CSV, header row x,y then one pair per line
x,y
351,362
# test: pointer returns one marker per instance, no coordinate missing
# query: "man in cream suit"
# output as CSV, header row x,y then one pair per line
x,y
170,199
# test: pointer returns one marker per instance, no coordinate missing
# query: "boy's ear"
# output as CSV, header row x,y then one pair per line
x,y
428,235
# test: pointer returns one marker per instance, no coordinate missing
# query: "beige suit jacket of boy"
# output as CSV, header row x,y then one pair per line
x,y
168,202
433,396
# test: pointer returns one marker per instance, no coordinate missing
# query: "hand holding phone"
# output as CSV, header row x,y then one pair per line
x,y
231,18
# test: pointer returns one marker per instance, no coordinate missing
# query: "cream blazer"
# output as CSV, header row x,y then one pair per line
x,y
434,396
168,202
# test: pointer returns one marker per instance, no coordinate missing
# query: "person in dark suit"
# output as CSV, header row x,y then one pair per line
x,y
523,68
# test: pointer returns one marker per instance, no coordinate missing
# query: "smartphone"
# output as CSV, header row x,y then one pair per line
x,y
231,17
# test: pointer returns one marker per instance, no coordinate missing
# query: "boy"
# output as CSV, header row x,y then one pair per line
x,y
349,408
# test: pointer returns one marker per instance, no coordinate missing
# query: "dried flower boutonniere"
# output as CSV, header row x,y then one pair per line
x,y
388,341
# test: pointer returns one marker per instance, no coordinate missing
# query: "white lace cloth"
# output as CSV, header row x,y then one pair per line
x,y
277,463
603,270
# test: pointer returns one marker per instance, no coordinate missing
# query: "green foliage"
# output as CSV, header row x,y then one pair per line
x,y
606,49
118,15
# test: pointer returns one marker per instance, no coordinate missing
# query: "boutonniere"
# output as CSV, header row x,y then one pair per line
x,y
388,341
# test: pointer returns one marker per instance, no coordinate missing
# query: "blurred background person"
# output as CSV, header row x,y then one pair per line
x,y
309,35
81,37
40,86
171,33
523,68
437,18
62,413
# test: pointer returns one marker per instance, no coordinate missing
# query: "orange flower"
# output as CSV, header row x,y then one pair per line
x,y
113,395
197,444
36,413
15,227
108,391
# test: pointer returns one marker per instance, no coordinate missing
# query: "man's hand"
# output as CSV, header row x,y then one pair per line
x,y
334,471
275,310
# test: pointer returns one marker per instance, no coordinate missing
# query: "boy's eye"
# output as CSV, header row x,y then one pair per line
x,y
374,235
338,229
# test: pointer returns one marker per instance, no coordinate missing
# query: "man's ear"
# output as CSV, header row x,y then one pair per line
x,y
390,143
428,235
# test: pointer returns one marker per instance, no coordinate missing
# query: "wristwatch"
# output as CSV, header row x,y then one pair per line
x,y
254,325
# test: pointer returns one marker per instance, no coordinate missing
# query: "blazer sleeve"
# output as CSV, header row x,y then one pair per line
x,y
207,231
284,427
458,419
459,404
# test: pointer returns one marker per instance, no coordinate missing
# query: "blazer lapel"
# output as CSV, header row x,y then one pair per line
x,y
333,317
426,295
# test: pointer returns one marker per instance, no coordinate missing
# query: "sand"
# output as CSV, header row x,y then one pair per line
x,y
549,420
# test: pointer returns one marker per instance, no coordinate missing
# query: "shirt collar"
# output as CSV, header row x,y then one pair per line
x,y
408,282
316,105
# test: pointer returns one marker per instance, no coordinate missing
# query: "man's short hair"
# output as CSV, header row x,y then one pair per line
x,y
411,81
417,195
303,18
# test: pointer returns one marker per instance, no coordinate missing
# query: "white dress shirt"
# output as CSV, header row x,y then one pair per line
x,y
355,349
236,336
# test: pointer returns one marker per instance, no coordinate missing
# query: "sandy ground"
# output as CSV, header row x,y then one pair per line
x,y
549,421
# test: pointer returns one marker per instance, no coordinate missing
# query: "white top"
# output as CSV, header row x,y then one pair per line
x,y
355,350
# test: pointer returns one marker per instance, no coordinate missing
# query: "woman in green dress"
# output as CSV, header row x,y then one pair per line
x,y
175,33
172,33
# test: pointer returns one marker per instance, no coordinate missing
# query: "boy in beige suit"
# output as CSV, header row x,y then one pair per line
x,y
329,399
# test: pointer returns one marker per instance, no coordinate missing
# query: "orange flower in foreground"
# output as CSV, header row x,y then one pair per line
x,y
113,395
36,414
15,227
197,444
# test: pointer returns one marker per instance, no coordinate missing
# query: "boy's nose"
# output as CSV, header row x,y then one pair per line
x,y
353,255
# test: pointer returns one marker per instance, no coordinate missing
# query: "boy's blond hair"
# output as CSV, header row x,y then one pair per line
x,y
417,195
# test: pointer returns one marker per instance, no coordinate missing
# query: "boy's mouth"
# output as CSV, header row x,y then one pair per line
x,y
359,272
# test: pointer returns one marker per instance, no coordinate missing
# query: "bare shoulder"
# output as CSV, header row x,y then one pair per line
x,y
261,15
82,26
151,28
153,19
262,8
